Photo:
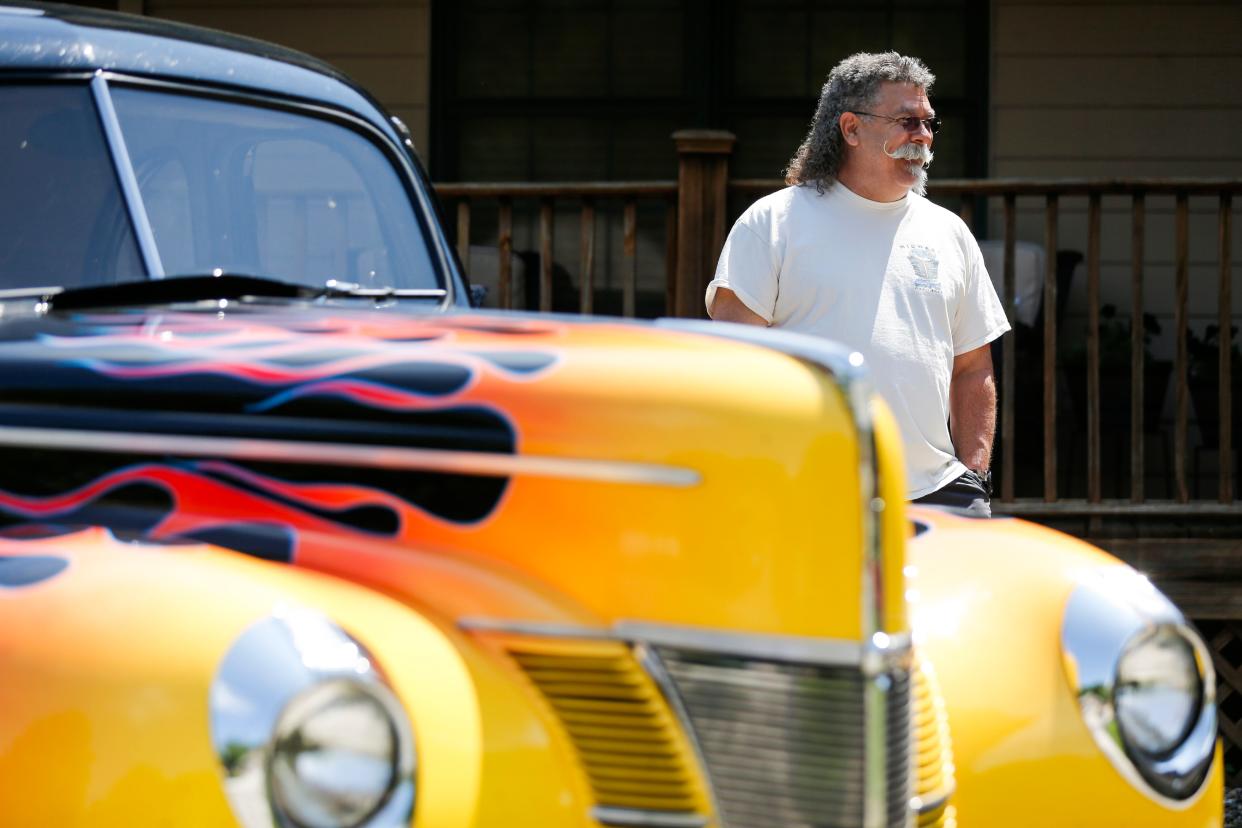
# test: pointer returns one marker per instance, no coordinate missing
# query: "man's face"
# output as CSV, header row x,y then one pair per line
x,y
897,154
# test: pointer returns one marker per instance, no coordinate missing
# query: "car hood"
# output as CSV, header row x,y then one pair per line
x,y
647,473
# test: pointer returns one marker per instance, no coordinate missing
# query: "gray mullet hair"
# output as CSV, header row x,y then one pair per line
x,y
852,86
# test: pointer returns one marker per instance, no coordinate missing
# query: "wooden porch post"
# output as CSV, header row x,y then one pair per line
x,y
702,196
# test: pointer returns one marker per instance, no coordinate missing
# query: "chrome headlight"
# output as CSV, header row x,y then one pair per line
x,y
307,730
1144,682
1159,691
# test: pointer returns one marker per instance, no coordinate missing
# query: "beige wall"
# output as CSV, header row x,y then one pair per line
x,y
382,44
1123,88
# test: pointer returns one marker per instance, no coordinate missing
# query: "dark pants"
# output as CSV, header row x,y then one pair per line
x,y
967,492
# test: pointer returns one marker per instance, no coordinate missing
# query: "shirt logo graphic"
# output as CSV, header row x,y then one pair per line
x,y
926,265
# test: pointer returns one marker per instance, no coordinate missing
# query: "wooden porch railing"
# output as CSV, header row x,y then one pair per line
x,y
587,195
696,210
1053,194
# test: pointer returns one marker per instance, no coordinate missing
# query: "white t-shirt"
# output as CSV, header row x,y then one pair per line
x,y
903,283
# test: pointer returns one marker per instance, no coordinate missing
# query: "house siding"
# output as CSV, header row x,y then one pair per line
x,y
1119,89
384,45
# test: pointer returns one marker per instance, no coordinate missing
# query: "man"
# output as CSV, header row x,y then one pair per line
x,y
852,251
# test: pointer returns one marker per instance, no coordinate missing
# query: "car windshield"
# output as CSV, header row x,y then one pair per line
x,y
225,186
64,219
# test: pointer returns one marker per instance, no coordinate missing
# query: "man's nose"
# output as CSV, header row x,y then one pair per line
x,y
923,135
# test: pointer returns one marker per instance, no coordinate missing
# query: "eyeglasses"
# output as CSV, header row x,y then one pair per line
x,y
909,123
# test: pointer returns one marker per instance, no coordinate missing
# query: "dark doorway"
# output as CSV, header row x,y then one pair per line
x,y
592,89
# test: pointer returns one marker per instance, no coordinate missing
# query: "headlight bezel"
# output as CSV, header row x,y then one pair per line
x,y
272,665
1110,612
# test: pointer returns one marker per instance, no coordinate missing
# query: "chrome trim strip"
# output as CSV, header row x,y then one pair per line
x,y
606,815
537,629
125,174
301,648
1109,607
650,661
875,739
340,454
796,648
920,806
849,370
883,655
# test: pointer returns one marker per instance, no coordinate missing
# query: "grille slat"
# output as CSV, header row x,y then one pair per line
x,y
815,777
658,776
726,707
588,717
805,715
815,767
624,746
633,707
606,759
784,741
642,737
791,733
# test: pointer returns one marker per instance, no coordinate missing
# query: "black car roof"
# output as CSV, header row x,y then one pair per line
x,y
49,37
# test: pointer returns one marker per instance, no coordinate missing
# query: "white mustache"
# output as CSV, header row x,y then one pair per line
x,y
912,152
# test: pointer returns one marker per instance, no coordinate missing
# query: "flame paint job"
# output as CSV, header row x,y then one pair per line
x,y
515,386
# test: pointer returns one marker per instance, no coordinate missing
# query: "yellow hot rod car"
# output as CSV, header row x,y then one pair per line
x,y
292,537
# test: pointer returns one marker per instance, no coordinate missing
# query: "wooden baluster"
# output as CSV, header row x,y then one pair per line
x,y
504,245
463,234
629,270
586,305
1225,320
1050,349
967,210
1008,354
670,256
545,254
1093,348
1137,355
1179,314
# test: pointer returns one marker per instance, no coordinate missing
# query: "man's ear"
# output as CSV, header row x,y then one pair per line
x,y
848,124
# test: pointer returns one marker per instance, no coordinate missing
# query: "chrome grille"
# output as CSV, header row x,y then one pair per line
x,y
783,743
899,759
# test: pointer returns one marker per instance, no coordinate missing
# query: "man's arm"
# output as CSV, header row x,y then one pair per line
x,y
972,407
726,307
